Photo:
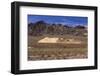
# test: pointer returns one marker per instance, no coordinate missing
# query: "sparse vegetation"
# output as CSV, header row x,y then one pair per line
x,y
51,51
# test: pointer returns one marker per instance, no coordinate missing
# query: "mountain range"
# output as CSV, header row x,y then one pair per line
x,y
40,28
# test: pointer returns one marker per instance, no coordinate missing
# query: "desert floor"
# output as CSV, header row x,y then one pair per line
x,y
54,51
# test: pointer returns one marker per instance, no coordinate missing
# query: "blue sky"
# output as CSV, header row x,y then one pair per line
x,y
71,20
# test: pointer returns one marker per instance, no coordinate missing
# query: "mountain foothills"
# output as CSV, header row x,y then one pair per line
x,y
40,28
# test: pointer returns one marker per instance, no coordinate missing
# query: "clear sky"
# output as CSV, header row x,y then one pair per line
x,y
72,20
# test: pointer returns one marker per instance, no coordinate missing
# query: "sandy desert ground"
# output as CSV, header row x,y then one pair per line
x,y
57,47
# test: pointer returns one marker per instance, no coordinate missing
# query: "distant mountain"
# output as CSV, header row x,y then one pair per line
x,y
40,28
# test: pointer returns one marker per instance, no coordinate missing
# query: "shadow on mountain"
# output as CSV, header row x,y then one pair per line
x,y
40,28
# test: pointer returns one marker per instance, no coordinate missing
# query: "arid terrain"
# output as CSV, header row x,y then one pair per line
x,y
51,44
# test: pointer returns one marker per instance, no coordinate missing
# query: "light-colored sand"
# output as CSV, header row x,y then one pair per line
x,y
48,40
58,40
